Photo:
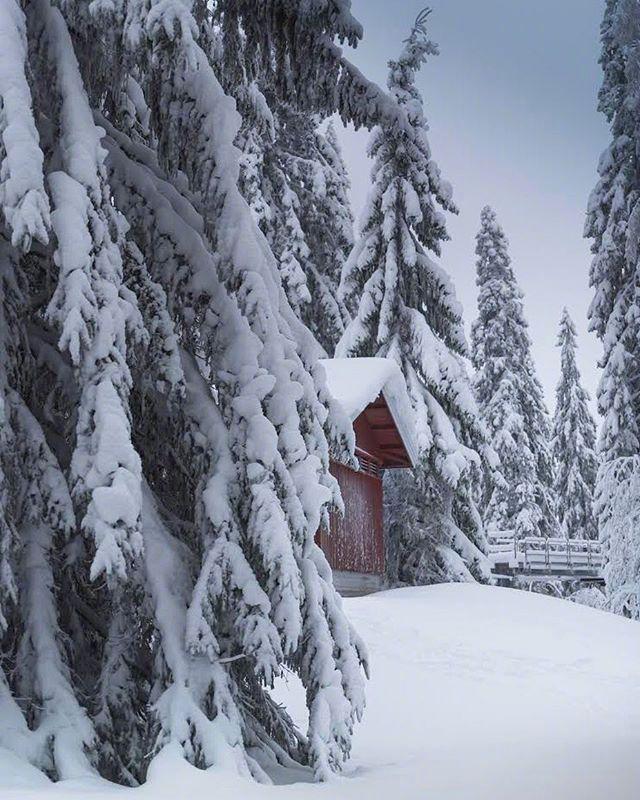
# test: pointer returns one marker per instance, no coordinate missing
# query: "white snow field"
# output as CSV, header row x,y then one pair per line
x,y
476,693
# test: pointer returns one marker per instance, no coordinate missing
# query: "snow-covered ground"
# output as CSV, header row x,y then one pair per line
x,y
476,693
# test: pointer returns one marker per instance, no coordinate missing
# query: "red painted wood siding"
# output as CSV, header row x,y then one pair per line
x,y
355,542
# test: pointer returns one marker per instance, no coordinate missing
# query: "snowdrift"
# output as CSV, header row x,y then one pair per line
x,y
477,693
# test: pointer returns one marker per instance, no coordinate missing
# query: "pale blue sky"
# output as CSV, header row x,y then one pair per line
x,y
511,102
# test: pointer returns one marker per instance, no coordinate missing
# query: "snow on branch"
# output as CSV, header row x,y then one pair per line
x,y
23,199
92,311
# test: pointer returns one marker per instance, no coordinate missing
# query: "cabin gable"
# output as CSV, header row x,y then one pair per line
x,y
378,438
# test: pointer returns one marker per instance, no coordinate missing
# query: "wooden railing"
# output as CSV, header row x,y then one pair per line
x,y
531,555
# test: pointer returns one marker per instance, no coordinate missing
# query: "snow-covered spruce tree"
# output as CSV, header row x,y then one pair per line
x,y
164,433
573,443
613,225
405,308
519,497
613,220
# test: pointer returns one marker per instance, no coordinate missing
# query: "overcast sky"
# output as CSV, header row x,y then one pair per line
x,y
511,103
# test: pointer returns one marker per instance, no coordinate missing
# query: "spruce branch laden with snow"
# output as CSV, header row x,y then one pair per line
x,y
295,181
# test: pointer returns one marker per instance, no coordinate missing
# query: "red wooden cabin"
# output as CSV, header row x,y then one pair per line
x,y
372,393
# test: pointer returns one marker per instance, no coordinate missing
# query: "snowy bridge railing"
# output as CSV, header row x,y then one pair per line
x,y
538,555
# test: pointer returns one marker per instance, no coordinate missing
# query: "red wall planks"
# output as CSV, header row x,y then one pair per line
x,y
355,542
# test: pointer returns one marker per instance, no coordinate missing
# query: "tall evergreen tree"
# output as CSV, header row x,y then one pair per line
x,y
520,498
573,444
164,435
405,308
613,225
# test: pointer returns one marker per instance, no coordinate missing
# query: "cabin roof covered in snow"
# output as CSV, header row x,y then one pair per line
x,y
356,383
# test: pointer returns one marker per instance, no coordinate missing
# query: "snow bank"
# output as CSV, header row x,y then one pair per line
x,y
356,382
18,774
477,693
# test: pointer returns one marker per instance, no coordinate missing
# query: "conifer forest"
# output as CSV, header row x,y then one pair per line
x,y
319,400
